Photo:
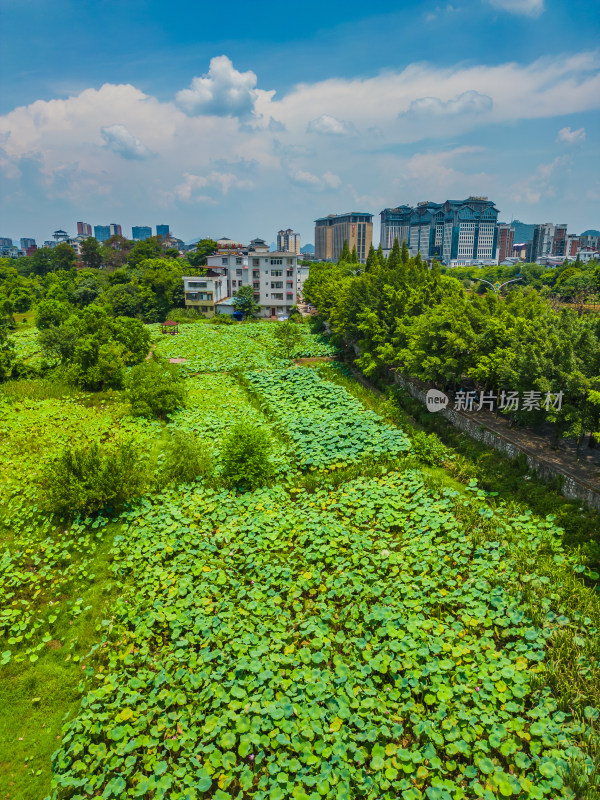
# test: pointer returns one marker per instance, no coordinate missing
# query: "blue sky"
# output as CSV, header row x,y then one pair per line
x,y
237,120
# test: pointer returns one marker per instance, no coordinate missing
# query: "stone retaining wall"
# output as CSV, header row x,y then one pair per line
x,y
571,487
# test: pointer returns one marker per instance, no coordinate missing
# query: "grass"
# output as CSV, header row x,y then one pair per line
x,y
36,699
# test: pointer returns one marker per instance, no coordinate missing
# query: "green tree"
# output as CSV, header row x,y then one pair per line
x,y
185,458
63,256
354,256
246,456
7,351
51,313
40,262
204,248
146,249
91,253
288,335
155,388
244,301
345,254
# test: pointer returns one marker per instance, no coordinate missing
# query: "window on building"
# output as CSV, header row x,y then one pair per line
x,y
290,261
239,261
276,273
277,295
256,274
276,284
256,262
290,273
224,261
276,261
197,284
239,272
256,285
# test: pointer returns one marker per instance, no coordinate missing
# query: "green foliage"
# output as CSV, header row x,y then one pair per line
x,y
51,314
222,319
359,642
244,301
83,480
288,335
155,388
7,353
198,256
186,458
329,428
95,348
91,253
246,456
428,448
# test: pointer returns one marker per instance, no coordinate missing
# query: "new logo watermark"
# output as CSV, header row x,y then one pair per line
x,y
489,401
436,400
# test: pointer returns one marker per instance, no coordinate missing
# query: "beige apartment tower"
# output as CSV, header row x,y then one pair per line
x,y
288,242
331,232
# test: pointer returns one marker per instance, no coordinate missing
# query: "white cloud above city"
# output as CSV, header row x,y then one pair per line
x,y
317,139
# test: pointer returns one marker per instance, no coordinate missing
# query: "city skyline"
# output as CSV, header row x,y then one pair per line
x,y
179,120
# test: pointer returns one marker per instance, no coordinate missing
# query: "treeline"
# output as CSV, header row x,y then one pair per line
x,y
406,316
134,279
571,282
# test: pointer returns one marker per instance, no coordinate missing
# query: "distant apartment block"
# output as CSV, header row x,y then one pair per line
x,y
162,230
5,241
590,239
506,235
288,241
457,232
548,240
84,229
27,244
115,230
332,231
102,232
572,246
141,232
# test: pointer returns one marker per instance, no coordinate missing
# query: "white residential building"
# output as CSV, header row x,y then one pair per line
x,y
204,292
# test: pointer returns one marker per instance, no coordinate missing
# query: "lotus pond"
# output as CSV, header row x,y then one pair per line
x,y
354,643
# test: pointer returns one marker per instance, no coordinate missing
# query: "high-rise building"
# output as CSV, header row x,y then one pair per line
x,y
457,232
506,236
141,232
288,241
543,239
559,241
590,238
5,241
572,246
84,229
355,228
162,230
27,243
115,230
102,232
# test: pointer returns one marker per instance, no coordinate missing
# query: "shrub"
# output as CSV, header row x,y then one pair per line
x,y
245,457
222,319
429,448
186,458
155,388
86,479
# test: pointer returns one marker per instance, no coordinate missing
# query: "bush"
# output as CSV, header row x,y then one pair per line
x,y
186,459
245,457
223,319
155,388
86,479
429,448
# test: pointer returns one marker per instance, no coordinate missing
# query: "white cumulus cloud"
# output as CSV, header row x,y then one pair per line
x,y
118,139
223,91
528,8
306,179
331,126
571,137
222,181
